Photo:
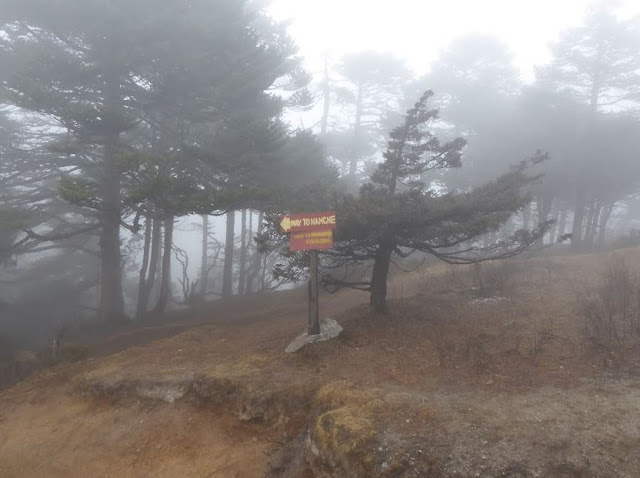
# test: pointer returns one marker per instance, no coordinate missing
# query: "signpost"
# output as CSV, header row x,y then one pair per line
x,y
311,232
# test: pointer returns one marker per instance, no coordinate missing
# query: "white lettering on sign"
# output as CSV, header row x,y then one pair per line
x,y
318,221
306,222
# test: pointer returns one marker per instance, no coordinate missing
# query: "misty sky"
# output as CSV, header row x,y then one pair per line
x,y
418,29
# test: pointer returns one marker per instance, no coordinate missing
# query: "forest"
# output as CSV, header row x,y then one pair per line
x,y
147,149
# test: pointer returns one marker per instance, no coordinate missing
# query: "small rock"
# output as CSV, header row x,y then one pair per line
x,y
329,329
314,449
385,465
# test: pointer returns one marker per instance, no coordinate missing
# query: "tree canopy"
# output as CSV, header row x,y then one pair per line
x,y
399,212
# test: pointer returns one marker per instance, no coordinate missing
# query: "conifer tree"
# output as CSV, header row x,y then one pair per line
x,y
399,212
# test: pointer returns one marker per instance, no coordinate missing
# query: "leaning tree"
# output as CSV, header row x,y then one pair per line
x,y
400,212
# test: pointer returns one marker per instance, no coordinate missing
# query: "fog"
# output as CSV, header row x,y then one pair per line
x,y
318,238
417,31
123,130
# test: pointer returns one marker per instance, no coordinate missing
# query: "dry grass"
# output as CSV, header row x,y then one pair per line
x,y
610,311
471,362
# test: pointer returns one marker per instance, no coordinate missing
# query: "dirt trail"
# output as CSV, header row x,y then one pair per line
x,y
234,312
240,311
57,433
73,437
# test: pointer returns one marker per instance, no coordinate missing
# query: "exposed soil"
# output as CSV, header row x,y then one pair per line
x,y
455,382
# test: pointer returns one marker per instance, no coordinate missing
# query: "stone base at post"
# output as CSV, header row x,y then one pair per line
x,y
329,329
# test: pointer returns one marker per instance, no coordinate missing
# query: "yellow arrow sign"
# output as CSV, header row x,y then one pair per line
x,y
308,221
285,223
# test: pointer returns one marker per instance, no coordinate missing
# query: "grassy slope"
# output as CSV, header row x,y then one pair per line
x,y
449,385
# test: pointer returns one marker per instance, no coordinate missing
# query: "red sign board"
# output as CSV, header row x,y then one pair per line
x,y
313,240
310,232
308,222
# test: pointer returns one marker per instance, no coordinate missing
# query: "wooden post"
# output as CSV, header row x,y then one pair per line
x,y
314,309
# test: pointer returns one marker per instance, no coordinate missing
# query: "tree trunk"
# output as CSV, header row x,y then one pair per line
x,y
326,94
588,224
594,221
227,275
165,284
353,165
156,256
553,232
263,275
111,306
378,298
254,268
562,222
578,218
243,255
204,272
145,294
142,281
543,209
604,220
577,237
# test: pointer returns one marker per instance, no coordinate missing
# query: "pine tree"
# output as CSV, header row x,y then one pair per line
x,y
398,212
598,64
141,78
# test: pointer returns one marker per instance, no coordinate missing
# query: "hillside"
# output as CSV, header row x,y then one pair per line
x,y
476,372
